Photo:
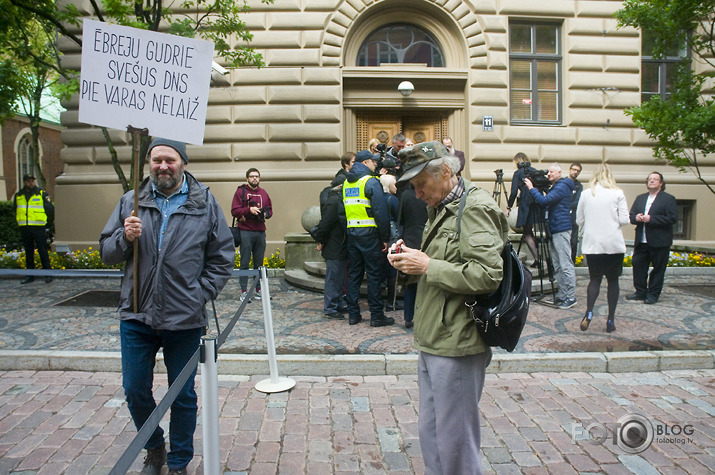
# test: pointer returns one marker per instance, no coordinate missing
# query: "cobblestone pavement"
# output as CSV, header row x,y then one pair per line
x,y
31,319
77,423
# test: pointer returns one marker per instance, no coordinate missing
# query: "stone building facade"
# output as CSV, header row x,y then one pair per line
x,y
551,78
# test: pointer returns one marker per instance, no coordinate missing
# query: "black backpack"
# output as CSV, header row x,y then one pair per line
x,y
501,315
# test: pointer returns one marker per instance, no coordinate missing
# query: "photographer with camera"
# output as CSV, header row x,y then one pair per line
x,y
557,199
251,207
388,162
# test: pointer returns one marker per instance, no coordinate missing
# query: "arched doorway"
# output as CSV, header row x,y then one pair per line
x,y
429,50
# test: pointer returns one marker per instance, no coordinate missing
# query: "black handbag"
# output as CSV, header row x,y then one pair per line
x,y
501,315
236,232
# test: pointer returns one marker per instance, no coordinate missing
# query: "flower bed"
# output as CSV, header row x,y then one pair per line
x,y
677,259
90,259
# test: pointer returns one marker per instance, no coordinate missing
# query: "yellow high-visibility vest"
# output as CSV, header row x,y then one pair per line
x,y
31,213
357,204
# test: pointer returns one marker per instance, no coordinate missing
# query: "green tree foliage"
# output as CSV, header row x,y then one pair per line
x,y
683,126
215,20
31,64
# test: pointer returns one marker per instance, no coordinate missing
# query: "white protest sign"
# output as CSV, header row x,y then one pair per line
x,y
145,79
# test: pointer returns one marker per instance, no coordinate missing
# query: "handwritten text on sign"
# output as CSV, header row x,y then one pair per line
x,y
145,79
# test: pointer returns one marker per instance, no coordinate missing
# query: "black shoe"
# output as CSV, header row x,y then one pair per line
x,y
154,460
355,320
649,301
343,309
398,306
334,316
409,324
48,279
28,279
586,321
610,326
382,322
635,296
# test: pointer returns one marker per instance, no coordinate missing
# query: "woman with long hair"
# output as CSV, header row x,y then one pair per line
x,y
524,219
601,213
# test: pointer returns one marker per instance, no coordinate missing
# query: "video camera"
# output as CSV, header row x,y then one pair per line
x,y
538,177
385,161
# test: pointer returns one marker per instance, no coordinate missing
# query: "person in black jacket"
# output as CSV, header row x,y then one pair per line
x,y
654,214
524,219
412,218
332,245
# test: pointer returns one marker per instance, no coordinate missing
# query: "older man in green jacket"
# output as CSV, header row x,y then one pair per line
x,y
450,267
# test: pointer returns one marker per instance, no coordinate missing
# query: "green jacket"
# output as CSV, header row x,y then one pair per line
x,y
443,324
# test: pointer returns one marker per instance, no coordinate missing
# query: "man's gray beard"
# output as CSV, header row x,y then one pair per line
x,y
164,183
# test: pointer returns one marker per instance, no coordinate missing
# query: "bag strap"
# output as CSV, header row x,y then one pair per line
x,y
462,204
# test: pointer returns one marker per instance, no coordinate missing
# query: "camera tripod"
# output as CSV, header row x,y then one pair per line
x,y
542,237
499,186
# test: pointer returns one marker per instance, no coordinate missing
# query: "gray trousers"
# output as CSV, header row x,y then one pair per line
x,y
450,389
563,265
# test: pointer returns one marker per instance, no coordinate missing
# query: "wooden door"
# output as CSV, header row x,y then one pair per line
x,y
383,131
420,132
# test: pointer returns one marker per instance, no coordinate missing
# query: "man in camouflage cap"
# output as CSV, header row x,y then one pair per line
x,y
450,267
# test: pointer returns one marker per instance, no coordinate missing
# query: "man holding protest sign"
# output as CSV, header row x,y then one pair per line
x,y
186,256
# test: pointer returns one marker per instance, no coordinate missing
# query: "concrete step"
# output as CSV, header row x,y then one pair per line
x,y
315,268
302,279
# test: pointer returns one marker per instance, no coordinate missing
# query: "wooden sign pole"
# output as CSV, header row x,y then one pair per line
x,y
136,148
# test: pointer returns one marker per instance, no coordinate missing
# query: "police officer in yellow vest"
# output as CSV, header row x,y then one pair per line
x,y
368,232
33,209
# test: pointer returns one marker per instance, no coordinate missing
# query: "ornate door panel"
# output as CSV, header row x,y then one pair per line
x,y
420,127
383,131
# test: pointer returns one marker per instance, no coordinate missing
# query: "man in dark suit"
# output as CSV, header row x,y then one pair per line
x,y
447,142
654,214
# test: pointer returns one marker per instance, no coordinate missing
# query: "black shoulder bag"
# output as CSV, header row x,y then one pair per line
x,y
501,315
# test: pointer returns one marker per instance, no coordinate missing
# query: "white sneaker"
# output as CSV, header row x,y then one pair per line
x,y
244,296
257,295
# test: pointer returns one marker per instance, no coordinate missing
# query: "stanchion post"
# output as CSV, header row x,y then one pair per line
x,y
275,384
209,408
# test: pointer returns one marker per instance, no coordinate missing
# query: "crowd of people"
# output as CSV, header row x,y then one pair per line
x,y
389,215
595,217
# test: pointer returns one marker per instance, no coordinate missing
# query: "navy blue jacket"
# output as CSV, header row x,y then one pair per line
x,y
378,205
558,202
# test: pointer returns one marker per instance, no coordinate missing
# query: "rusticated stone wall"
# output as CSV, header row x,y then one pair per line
x,y
293,118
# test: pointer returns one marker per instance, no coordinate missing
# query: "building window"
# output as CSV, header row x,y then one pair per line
x,y
400,43
682,228
657,74
535,72
25,164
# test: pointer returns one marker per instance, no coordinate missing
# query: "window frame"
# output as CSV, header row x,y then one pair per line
x,y
534,60
662,64
433,43
25,163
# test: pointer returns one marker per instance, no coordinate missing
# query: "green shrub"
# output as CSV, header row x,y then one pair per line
x,y
9,230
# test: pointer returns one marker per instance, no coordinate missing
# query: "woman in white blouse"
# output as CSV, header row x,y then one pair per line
x,y
601,213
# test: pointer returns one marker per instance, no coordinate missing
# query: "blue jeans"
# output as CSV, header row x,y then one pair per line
x,y
365,256
140,344
253,243
334,284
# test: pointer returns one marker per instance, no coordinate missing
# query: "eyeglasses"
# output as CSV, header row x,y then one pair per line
x,y
254,176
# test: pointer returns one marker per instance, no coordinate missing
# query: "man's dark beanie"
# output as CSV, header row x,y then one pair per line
x,y
178,146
